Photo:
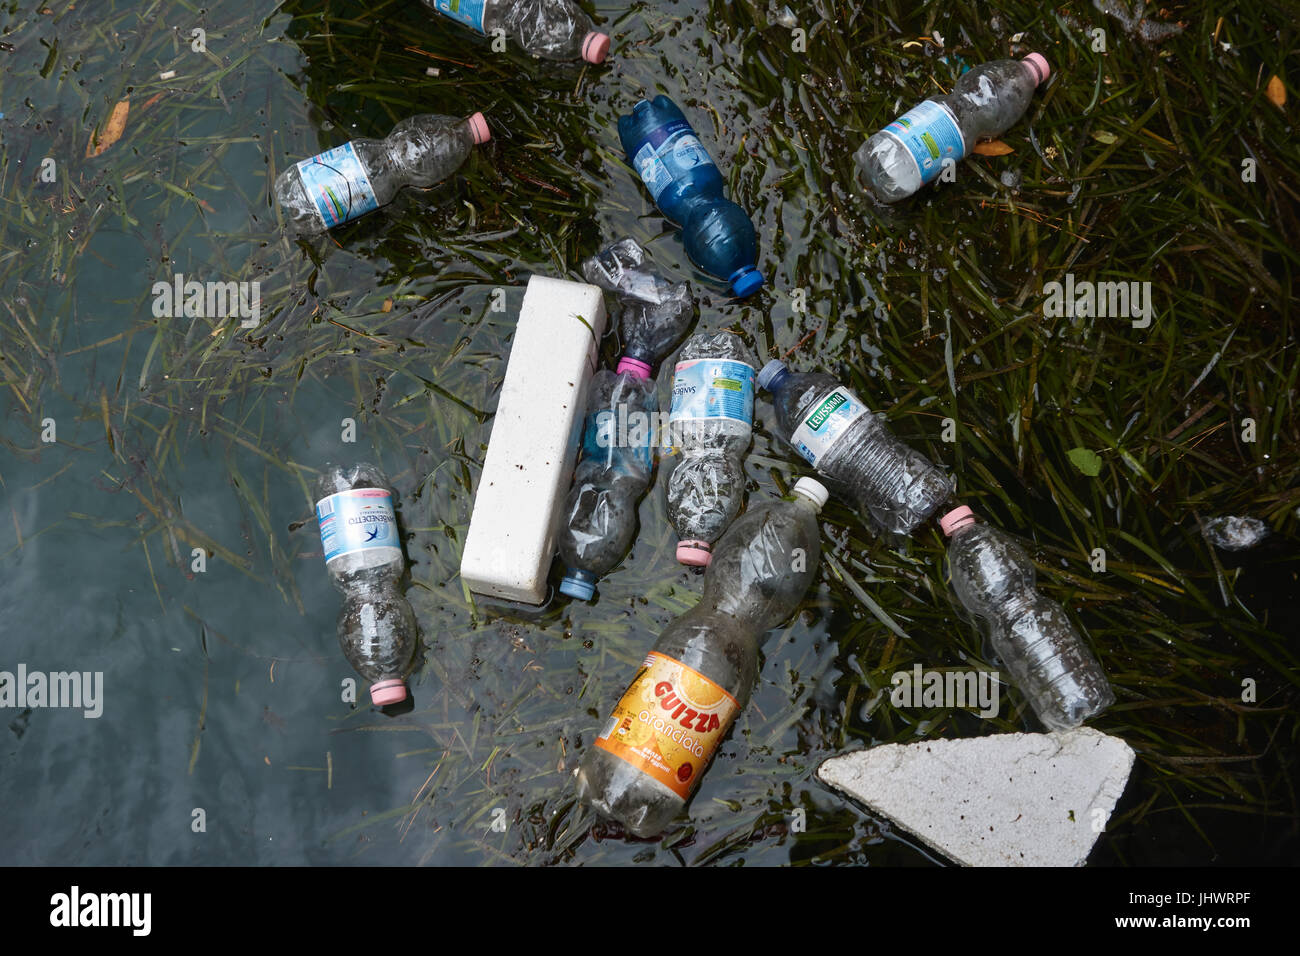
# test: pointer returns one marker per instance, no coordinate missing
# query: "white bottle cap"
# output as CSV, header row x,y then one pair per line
x,y
813,490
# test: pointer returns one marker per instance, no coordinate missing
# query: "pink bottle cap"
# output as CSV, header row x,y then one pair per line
x,y
479,128
634,367
957,518
694,554
1038,63
596,47
388,692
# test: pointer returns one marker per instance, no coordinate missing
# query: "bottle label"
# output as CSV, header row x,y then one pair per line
x,y
669,723
338,184
710,389
829,419
668,154
930,135
361,519
468,12
622,429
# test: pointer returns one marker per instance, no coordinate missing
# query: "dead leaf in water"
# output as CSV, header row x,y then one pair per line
x,y
993,147
1276,91
113,130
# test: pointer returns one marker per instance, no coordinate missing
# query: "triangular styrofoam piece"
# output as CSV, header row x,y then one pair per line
x,y
1003,800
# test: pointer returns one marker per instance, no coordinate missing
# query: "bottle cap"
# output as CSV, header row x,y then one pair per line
x,y
1038,63
694,554
957,518
771,374
579,584
813,490
478,127
595,47
746,281
388,692
634,367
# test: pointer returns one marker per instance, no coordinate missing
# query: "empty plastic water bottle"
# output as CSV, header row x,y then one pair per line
x,y
348,181
653,750
711,421
363,556
687,187
862,461
555,29
599,517
986,102
1047,659
618,441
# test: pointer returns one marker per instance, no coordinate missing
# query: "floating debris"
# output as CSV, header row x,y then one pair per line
x,y
786,18
1231,533
1135,23
1001,800
112,131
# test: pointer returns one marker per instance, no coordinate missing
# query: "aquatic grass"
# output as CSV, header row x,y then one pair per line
x,y
1129,168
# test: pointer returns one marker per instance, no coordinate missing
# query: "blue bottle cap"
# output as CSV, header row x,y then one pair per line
x,y
746,281
579,584
772,374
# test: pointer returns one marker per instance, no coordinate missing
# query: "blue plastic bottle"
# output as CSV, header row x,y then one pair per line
x,y
687,187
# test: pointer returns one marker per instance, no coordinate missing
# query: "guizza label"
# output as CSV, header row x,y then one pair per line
x,y
669,723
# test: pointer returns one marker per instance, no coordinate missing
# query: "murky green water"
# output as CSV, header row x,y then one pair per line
x,y
222,686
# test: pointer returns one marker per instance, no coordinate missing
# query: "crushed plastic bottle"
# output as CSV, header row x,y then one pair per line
x,y
653,313
1045,656
599,517
363,555
986,102
687,187
710,423
653,750
348,181
862,461
554,29
620,433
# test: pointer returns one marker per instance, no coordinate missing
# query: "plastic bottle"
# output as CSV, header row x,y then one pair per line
x,y
348,181
1046,657
363,556
862,461
986,102
657,743
619,437
554,29
711,422
686,185
599,517
653,313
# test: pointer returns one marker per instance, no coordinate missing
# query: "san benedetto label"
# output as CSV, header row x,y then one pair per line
x,y
669,722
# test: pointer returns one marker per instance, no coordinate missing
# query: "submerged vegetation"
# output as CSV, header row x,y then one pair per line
x,y
1167,158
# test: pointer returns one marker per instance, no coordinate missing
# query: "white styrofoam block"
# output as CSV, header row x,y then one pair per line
x,y
1003,800
534,444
